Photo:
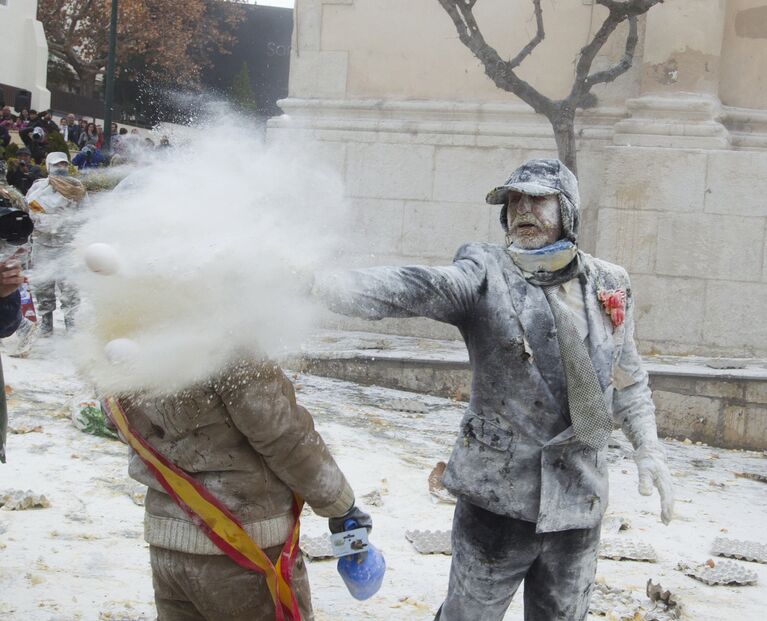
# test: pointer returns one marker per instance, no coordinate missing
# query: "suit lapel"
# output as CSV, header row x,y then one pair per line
x,y
600,340
539,330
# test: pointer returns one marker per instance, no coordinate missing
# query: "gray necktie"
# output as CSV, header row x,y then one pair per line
x,y
592,421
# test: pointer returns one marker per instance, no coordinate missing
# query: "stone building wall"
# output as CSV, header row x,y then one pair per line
x,y
671,160
24,51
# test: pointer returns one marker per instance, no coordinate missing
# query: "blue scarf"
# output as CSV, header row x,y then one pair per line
x,y
550,265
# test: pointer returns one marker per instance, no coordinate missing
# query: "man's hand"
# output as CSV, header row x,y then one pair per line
x,y
11,277
363,520
653,470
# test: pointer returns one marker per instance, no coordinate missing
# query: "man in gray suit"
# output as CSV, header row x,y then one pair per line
x,y
550,334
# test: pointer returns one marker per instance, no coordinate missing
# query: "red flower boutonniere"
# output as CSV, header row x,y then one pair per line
x,y
614,303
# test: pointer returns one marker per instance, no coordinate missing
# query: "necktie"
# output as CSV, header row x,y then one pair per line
x,y
591,418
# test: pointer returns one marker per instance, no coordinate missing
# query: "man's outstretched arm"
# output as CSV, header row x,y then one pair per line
x,y
442,293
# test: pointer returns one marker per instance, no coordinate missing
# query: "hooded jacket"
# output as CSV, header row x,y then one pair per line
x,y
246,440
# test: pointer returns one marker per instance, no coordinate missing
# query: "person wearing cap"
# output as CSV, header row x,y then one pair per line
x,y
89,157
23,172
53,204
34,139
550,334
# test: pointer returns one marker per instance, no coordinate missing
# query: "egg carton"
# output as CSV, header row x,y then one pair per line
x,y
622,605
745,550
317,548
621,549
431,542
723,572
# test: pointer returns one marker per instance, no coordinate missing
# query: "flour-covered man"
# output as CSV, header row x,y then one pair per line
x,y
550,334
53,204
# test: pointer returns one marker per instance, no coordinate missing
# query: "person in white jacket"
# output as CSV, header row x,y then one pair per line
x,y
53,203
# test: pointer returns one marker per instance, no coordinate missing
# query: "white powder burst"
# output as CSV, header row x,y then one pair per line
x,y
216,242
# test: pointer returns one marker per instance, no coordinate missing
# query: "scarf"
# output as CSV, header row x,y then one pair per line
x,y
550,265
69,187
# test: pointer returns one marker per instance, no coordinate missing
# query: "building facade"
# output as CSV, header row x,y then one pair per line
x,y
671,159
24,53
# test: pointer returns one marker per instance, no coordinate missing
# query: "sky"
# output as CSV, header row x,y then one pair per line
x,y
287,3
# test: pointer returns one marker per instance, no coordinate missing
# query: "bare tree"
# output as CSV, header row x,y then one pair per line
x,y
559,112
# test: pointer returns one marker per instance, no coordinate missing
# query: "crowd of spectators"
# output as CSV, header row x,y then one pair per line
x,y
83,139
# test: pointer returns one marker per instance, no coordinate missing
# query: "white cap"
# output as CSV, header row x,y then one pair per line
x,y
56,158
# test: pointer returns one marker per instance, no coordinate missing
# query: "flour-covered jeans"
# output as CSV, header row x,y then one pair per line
x,y
493,553
196,587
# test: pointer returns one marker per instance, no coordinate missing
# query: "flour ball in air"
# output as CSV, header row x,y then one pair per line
x,y
121,351
102,259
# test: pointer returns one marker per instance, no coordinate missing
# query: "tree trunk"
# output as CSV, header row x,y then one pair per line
x,y
564,134
87,83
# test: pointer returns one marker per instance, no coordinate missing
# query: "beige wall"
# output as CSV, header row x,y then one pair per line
x,y
744,59
24,51
671,161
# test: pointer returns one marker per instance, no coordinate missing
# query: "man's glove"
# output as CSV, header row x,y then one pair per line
x,y
653,470
336,524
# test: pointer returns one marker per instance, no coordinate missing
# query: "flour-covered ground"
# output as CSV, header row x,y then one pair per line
x,y
84,557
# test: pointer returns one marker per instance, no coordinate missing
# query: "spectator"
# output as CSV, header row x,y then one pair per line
x,y
5,113
32,117
24,118
89,137
5,137
64,129
89,157
46,122
24,173
74,128
34,138
100,141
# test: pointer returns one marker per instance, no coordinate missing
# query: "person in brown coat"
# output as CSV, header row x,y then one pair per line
x,y
244,438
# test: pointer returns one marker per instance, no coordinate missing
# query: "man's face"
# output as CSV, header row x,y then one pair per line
x,y
114,128
59,169
71,120
533,221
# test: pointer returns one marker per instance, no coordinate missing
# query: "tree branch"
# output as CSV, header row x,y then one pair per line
x,y
623,65
629,8
501,72
539,35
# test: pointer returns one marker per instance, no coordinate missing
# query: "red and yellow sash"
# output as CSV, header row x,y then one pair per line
x,y
216,521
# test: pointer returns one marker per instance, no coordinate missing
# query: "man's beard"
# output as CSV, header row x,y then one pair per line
x,y
529,238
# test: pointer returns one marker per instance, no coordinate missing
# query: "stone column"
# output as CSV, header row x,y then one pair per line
x,y
679,104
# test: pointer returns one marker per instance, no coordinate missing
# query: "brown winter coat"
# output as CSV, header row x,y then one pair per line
x,y
243,437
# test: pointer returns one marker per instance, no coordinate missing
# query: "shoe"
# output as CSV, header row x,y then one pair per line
x,y
46,324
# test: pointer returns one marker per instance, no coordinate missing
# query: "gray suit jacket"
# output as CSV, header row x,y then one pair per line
x,y
516,453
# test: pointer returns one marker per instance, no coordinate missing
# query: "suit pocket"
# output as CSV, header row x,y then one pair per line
x,y
490,434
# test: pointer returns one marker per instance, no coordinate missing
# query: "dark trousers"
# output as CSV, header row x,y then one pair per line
x,y
493,553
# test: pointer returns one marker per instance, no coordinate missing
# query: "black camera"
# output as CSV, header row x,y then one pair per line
x,y
15,225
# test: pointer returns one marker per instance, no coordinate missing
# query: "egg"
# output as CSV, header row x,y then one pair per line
x,y
122,351
102,259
